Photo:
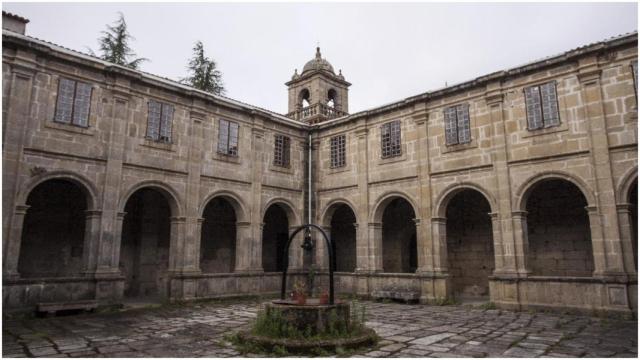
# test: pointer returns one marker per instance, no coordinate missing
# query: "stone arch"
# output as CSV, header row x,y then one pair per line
x,y
304,95
332,98
385,199
525,189
625,184
166,190
233,199
331,207
451,191
82,182
288,208
56,233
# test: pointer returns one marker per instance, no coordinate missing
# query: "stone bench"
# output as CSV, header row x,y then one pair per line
x,y
405,295
52,307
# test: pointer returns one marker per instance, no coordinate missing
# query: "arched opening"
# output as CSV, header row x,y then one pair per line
x,y
399,248
305,98
218,237
144,248
53,232
343,238
275,234
558,230
633,201
332,98
469,244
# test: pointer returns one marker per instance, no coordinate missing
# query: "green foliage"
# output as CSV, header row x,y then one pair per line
x,y
488,306
114,45
444,301
202,72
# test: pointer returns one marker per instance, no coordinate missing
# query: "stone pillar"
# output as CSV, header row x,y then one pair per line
x,y
197,249
365,258
597,243
521,242
375,247
295,250
91,240
10,265
607,230
176,244
111,222
439,236
497,242
322,254
625,220
258,160
424,241
362,254
503,226
247,259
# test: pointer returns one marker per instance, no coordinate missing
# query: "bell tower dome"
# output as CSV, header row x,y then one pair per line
x,y
317,94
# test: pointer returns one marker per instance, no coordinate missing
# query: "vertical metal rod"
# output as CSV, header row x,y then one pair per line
x,y
309,165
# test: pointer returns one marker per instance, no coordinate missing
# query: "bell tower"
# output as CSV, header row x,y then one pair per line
x,y
317,94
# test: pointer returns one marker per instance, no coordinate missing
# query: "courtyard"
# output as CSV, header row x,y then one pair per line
x,y
201,330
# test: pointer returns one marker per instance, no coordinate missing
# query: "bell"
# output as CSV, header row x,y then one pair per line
x,y
307,244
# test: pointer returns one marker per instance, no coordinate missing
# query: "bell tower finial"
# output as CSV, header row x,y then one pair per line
x,y
318,55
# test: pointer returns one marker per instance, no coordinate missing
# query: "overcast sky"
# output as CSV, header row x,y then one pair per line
x,y
387,51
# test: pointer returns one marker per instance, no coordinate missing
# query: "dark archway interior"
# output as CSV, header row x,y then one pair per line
x,y
305,98
470,250
343,238
275,234
399,250
218,239
332,98
558,230
633,201
144,250
53,231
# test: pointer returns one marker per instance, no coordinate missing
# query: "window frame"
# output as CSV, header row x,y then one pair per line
x,y
546,123
227,149
281,150
72,120
456,111
391,150
160,138
338,151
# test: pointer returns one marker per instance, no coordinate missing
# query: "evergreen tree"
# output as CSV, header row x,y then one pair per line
x,y
114,45
203,74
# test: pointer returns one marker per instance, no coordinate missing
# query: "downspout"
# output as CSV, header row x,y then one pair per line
x,y
309,177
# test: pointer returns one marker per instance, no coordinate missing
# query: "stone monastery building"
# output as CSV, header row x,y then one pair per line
x,y
519,186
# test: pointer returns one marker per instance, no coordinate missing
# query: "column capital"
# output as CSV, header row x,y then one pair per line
x,y
243,224
494,215
199,220
416,221
21,209
438,220
624,208
92,213
178,219
519,214
591,209
120,215
375,224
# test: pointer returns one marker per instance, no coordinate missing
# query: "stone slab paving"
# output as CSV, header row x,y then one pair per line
x,y
198,330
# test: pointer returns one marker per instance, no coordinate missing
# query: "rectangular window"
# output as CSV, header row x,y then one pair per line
x,y
338,151
73,103
542,106
281,151
159,121
390,139
457,126
228,138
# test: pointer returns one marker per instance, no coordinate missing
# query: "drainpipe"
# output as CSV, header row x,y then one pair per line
x,y
309,162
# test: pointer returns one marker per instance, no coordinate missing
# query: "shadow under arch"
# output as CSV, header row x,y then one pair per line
x,y
233,199
527,187
166,190
82,182
451,191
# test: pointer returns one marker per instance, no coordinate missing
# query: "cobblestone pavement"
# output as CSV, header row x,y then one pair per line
x,y
407,331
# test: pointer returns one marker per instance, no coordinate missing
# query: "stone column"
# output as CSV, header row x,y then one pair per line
x,y
322,254
424,241
295,250
247,259
497,242
625,220
597,243
176,244
10,265
258,160
91,240
365,257
607,230
504,237
111,223
521,242
375,247
15,132
197,249
439,236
